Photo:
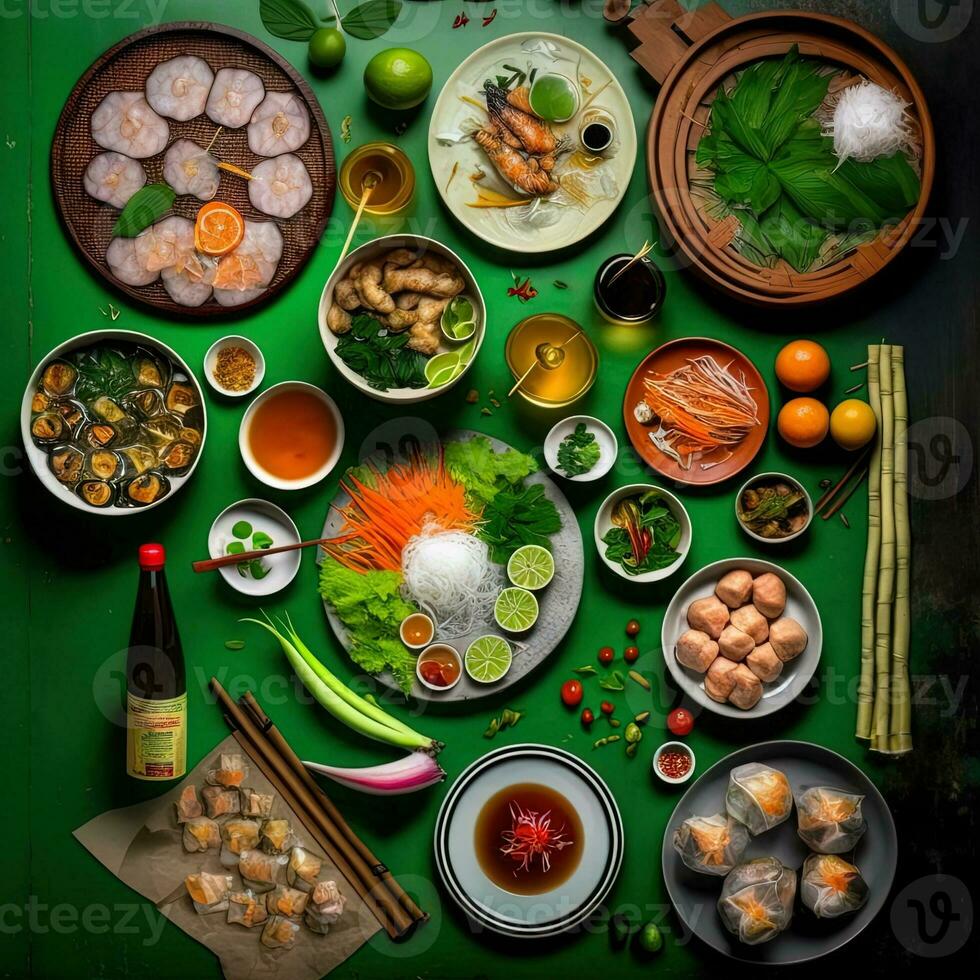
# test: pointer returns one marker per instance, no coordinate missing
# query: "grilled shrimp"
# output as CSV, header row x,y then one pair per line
x,y
534,134
524,175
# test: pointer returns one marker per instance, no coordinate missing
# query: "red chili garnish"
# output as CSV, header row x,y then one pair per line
x,y
607,707
530,834
461,21
674,765
524,291
587,717
432,672
680,721
606,655
487,21
630,654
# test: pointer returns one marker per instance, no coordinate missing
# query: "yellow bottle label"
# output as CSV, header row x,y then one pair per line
x,y
156,737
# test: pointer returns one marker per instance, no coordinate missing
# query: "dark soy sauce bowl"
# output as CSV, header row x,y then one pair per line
x,y
636,297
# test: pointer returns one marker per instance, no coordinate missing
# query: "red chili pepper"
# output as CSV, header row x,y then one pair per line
x,y
630,654
606,655
524,291
587,717
461,21
487,21
632,628
607,707
571,693
680,721
674,764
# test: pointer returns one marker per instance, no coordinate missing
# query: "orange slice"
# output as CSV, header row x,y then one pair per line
x,y
219,228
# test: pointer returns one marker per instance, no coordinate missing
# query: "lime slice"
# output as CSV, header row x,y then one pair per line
x,y
487,659
515,610
443,368
554,98
531,567
458,319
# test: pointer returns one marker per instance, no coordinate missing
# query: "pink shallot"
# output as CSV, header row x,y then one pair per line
x,y
415,771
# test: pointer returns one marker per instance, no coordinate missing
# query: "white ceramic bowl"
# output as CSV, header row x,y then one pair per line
x,y
765,477
250,461
403,396
681,747
263,516
435,687
605,437
603,522
38,458
211,360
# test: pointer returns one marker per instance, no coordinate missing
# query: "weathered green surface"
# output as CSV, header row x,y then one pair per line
x,y
70,578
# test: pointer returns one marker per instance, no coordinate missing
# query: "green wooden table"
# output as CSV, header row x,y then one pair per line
x,y
70,577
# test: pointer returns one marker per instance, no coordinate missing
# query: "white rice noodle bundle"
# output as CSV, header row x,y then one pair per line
x,y
450,574
867,121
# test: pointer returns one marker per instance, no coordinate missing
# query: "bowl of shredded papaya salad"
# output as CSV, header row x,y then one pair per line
x,y
466,530
696,410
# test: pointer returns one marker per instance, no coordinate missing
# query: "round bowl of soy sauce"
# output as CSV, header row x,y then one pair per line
x,y
629,294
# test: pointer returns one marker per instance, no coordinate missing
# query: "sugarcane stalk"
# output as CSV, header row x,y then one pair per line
x,y
900,726
886,563
866,684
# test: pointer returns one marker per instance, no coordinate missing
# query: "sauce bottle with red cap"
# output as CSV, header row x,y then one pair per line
x,y
156,686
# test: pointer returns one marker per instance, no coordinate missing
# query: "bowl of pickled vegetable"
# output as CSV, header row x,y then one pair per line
x,y
773,508
113,422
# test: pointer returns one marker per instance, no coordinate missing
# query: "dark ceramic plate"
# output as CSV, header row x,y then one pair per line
x,y
694,896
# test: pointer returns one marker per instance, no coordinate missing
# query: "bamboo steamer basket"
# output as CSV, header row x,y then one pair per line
x,y
691,54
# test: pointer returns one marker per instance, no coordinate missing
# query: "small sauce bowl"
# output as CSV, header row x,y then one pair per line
x,y
441,653
772,478
420,618
668,748
211,363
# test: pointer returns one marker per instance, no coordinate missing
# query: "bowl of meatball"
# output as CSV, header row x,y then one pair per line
x,y
742,636
402,318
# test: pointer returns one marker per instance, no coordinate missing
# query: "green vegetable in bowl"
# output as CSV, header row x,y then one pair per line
x,y
459,319
645,534
578,452
773,510
381,357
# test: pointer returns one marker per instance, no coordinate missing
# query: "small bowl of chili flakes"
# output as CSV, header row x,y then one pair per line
x,y
234,366
673,763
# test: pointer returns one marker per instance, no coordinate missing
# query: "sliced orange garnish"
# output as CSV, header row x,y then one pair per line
x,y
219,228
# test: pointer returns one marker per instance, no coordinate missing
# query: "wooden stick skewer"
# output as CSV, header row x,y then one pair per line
x,y
536,363
833,491
643,252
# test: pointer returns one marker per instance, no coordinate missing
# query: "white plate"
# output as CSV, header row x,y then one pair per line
x,y
604,436
548,225
548,913
796,674
263,516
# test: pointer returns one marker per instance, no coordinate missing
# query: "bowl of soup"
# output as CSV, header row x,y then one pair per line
x,y
291,436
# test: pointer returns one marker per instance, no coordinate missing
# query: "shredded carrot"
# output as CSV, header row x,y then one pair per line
x,y
381,519
701,407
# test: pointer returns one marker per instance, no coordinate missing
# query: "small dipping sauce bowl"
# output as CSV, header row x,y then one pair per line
x,y
416,631
673,763
439,667
635,297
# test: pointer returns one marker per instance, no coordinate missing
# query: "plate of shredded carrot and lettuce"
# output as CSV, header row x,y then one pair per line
x,y
432,528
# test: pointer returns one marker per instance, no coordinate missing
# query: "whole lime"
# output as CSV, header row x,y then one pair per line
x,y
398,78
327,48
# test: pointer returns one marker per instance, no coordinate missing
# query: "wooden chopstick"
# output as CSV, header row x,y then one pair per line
x,y
827,514
833,491
210,564
395,920
378,868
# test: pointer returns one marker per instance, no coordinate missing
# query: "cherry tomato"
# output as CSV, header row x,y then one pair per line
x,y
680,721
587,717
607,655
607,707
632,628
630,654
571,693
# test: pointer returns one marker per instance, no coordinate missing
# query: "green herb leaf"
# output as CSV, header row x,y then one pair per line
x,y
142,209
578,452
261,540
458,318
257,569
613,682
241,529
586,671
235,548
371,19
234,644
380,357
289,19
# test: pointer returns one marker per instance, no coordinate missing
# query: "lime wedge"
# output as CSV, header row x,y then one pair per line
x,y
487,659
515,610
443,368
458,319
531,567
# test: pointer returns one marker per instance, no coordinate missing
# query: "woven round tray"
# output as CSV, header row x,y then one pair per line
x,y
706,53
125,67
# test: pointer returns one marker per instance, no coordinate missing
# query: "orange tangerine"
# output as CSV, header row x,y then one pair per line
x,y
803,422
219,228
802,365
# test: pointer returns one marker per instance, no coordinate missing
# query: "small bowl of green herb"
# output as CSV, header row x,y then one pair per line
x,y
581,448
773,508
254,525
642,532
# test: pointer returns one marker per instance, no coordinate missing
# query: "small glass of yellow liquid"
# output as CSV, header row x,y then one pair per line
x,y
555,358
384,169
